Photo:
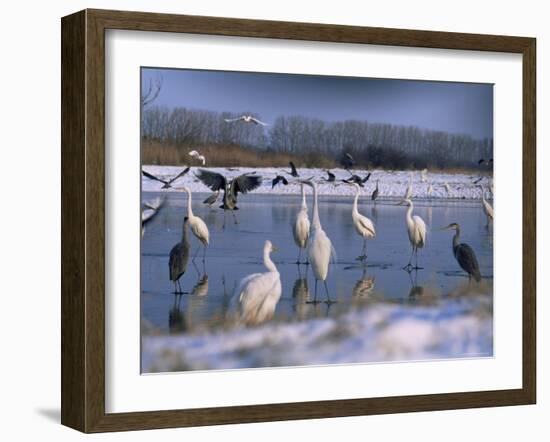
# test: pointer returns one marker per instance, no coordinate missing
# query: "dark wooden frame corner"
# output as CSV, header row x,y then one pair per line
x,y
83,217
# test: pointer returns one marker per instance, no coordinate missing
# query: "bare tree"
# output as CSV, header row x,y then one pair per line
x,y
152,92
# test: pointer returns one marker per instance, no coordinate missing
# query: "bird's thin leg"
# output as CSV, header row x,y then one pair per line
x,y
204,254
416,260
195,255
328,301
223,226
175,287
299,256
314,295
408,266
196,268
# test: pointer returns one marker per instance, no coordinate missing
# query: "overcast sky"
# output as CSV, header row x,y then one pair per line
x,y
451,107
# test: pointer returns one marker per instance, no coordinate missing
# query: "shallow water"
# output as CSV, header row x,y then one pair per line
x,y
237,251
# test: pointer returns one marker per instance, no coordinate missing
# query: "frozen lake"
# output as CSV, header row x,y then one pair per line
x,y
237,251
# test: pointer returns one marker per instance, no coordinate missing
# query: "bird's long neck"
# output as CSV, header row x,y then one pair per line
x,y
409,213
267,261
316,222
355,211
304,205
189,208
456,238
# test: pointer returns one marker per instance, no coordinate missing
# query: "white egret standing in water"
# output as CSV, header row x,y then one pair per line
x,y
259,293
487,208
301,226
416,228
198,226
319,247
362,224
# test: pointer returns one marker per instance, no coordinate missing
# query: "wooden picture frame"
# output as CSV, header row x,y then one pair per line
x,y
83,220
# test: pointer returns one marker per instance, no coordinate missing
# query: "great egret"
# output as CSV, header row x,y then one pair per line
x,y
243,183
487,208
331,177
259,293
301,226
319,247
447,188
293,172
167,184
347,161
416,228
246,119
375,192
179,258
198,226
198,156
363,225
279,179
464,254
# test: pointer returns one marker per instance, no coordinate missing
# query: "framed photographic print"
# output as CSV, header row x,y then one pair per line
x,y
270,220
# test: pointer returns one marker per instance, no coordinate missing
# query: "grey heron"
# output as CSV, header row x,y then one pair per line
x,y
243,183
375,192
167,183
179,258
464,254
331,177
279,179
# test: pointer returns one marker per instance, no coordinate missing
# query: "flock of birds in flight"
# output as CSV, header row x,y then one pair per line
x,y
260,292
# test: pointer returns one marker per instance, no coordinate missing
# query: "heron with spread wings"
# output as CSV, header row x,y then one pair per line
x,y
166,183
217,182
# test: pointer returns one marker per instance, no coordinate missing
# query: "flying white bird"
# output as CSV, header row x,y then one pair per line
x,y
198,226
259,293
301,226
198,156
416,229
362,224
319,247
246,119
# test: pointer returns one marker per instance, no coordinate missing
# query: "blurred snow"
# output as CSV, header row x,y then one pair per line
x,y
456,328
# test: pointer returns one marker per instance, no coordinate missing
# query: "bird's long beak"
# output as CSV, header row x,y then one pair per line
x,y
274,249
400,203
444,228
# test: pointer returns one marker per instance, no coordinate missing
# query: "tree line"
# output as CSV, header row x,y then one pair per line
x,y
371,144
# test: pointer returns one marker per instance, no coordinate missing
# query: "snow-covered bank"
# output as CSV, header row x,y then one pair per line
x,y
383,332
392,184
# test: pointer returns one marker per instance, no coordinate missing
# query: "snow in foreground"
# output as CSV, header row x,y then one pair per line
x,y
392,184
382,332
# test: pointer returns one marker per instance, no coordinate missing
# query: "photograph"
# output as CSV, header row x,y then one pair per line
x,y
293,220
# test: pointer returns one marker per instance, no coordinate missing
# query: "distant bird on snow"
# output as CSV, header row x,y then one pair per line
x,y
246,119
331,177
